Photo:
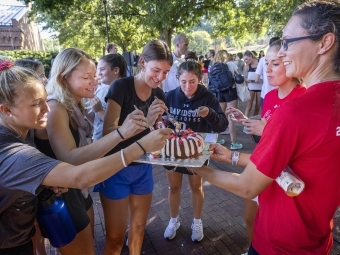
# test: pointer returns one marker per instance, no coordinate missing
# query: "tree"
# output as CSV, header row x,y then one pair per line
x,y
172,16
156,17
132,22
51,44
200,41
241,18
204,25
81,23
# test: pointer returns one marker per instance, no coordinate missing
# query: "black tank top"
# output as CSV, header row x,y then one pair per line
x,y
251,69
44,146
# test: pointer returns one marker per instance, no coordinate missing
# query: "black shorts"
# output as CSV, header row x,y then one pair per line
x,y
78,206
255,90
252,251
183,170
24,249
88,202
227,96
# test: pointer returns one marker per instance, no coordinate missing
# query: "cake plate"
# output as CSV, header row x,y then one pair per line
x,y
197,161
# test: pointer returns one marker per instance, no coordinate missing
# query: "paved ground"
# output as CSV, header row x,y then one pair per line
x,y
224,227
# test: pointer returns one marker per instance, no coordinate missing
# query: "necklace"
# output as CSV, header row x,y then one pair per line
x,y
148,101
145,105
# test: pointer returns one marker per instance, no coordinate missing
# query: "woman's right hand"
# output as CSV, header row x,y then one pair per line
x,y
133,122
235,115
156,109
155,140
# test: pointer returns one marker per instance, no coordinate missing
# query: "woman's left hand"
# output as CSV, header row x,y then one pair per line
x,y
254,127
59,190
203,111
156,109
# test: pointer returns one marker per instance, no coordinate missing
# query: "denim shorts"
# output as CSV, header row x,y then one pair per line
x,y
131,180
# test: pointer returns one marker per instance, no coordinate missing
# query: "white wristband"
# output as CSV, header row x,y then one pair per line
x,y
122,157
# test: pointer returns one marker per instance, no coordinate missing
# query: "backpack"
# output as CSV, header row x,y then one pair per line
x,y
220,78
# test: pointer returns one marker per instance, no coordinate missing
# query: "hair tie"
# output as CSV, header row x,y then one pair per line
x,y
6,65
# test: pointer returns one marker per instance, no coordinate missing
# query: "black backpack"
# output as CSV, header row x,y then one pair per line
x,y
220,78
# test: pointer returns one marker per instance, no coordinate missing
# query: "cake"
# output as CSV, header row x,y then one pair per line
x,y
183,144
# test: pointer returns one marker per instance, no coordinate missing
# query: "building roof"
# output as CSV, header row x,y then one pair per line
x,y
9,12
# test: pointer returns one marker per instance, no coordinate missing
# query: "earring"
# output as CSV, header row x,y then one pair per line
x,y
321,51
10,115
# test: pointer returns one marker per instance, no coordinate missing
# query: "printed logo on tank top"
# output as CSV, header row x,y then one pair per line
x,y
338,131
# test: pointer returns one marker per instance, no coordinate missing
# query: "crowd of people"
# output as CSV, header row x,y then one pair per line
x,y
45,126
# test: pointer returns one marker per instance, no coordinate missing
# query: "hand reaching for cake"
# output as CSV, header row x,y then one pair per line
x,y
155,140
203,111
156,109
219,152
133,122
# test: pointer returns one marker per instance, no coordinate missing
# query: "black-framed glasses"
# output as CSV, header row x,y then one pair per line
x,y
285,42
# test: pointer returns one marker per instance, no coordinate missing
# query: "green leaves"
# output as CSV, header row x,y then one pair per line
x,y
133,22
200,42
44,56
245,17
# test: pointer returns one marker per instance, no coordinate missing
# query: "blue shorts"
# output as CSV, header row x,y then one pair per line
x,y
131,180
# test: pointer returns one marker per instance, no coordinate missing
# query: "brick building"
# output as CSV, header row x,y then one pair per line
x,y
17,32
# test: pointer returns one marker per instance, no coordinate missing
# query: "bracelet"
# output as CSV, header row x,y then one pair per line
x,y
234,157
122,157
120,134
141,147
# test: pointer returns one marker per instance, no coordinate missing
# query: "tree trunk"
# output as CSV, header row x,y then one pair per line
x,y
165,35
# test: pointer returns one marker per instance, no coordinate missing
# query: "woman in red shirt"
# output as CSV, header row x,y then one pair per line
x,y
305,135
287,89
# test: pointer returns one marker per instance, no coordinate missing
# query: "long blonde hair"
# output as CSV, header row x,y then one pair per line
x,y
221,57
63,65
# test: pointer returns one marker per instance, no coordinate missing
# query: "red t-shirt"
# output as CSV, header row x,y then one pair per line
x,y
304,133
272,100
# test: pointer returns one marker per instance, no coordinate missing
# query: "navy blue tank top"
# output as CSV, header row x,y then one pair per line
x,y
251,69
